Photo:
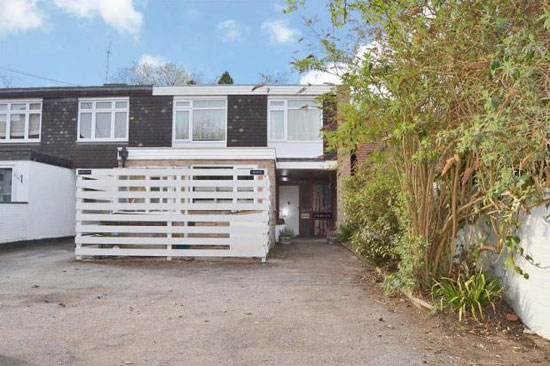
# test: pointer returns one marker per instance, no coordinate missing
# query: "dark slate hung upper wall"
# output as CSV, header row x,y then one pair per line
x,y
150,123
247,120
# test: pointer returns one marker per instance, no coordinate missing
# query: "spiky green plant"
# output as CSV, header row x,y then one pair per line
x,y
469,294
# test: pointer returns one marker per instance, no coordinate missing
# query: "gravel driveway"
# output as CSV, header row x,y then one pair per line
x,y
306,306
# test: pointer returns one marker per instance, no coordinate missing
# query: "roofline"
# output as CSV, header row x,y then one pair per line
x,y
71,88
196,90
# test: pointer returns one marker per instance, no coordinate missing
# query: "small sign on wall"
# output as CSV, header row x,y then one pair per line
x,y
84,172
257,172
322,215
304,215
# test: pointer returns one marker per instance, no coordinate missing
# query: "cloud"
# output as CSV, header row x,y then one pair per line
x,y
231,30
152,60
191,14
19,16
331,76
118,14
279,32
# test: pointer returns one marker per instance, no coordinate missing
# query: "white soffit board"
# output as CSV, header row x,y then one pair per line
x,y
204,90
307,165
201,153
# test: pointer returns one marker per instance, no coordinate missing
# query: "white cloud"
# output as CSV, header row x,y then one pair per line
x,y
279,32
231,30
152,60
331,76
191,14
19,16
119,14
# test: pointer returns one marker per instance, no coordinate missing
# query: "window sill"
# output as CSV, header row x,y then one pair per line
x,y
101,142
15,142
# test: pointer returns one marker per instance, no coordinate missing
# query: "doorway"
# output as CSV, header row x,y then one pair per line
x,y
289,200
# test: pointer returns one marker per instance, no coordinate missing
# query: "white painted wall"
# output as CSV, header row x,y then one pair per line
x,y
49,211
289,149
531,298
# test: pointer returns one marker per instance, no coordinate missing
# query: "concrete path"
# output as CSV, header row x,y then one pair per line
x,y
306,306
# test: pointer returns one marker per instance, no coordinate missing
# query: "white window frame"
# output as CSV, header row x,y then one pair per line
x,y
284,108
190,109
26,112
112,110
12,193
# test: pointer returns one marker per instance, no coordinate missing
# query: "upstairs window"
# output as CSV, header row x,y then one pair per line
x,y
297,120
103,119
200,120
20,120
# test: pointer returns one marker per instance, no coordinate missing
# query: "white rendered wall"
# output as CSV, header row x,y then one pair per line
x,y
531,298
287,149
47,208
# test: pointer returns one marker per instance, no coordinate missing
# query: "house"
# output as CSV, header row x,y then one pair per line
x,y
273,130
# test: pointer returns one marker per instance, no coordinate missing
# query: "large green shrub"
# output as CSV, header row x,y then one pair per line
x,y
372,228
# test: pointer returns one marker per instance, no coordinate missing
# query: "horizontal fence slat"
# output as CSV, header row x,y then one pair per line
x,y
254,252
173,206
101,184
106,195
115,240
153,229
163,172
163,217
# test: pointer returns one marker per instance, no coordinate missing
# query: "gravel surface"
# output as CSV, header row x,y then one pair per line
x,y
308,305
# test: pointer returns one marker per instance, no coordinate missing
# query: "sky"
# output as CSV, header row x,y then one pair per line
x,y
67,40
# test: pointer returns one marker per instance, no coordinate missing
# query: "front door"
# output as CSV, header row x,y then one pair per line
x,y
289,200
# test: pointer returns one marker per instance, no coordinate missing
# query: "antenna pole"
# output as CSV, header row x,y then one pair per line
x,y
107,63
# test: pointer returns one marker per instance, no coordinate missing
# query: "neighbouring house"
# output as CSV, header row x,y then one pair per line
x,y
273,131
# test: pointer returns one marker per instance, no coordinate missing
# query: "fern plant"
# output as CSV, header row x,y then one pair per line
x,y
469,294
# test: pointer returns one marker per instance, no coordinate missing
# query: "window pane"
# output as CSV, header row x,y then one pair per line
x,y
102,125
209,103
209,125
85,125
3,107
302,103
18,107
35,106
277,125
122,104
17,126
3,124
121,123
277,103
103,105
34,126
5,184
304,124
182,125
86,105
183,103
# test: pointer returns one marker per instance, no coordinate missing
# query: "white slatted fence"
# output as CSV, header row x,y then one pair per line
x,y
168,212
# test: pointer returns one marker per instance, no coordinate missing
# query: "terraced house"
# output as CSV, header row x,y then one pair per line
x,y
271,135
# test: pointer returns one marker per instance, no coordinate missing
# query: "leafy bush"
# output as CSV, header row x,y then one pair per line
x,y
468,294
372,228
280,221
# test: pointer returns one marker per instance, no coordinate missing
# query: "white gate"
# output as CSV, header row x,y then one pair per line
x,y
202,211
